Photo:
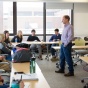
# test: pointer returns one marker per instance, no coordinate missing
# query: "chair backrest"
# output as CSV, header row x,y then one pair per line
x,y
80,42
86,38
60,43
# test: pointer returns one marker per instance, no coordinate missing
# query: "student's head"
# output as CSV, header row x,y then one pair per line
x,y
19,33
56,31
2,37
33,32
65,19
6,34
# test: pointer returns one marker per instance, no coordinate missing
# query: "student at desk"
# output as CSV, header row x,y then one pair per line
x,y
55,37
33,37
7,40
18,37
4,49
2,85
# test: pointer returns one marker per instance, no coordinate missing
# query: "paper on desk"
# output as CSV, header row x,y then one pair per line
x,y
26,76
27,85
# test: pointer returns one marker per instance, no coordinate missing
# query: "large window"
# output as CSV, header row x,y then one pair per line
x,y
7,9
54,19
30,16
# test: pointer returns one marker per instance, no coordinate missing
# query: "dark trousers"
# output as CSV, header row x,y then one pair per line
x,y
53,50
65,55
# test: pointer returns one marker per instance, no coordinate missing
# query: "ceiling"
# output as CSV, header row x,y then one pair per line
x,y
61,1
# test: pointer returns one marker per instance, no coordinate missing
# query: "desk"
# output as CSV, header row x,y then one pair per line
x,y
24,67
85,59
74,42
73,47
47,43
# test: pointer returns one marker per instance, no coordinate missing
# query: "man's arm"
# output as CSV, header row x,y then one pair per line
x,y
4,49
51,39
37,38
28,39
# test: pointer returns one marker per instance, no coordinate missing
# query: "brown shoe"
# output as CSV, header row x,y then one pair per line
x,y
59,71
40,57
69,74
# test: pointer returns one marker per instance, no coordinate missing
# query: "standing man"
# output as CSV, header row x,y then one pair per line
x,y
65,52
55,37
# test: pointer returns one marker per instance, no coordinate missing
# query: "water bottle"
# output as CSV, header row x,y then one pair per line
x,y
32,65
15,40
15,84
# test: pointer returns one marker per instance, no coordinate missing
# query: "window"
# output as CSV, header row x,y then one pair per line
x,y
30,16
7,9
54,19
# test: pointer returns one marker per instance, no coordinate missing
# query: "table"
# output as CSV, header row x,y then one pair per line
x,y
47,43
85,59
24,67
73,47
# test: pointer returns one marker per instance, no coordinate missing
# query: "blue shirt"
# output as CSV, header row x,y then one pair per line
x,y
67,34
55,37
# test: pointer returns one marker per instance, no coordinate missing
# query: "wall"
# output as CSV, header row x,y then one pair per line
x,y
1,17
81,19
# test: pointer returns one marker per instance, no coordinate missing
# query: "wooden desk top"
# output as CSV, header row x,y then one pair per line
x,y
24,67
73,47
85,59
37,43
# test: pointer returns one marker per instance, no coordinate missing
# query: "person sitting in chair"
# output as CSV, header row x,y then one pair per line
x,y
33,37
55,37
2,85
4,49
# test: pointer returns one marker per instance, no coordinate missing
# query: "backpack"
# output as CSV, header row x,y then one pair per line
x,y
22,55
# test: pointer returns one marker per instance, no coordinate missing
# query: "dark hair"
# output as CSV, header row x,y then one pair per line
x,y
5,33
33,30
67,17
56,30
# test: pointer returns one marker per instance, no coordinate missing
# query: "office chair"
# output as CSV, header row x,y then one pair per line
x,y
85,67
86,39
81,52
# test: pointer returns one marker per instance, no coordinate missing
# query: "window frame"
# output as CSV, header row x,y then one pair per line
x,y
44,21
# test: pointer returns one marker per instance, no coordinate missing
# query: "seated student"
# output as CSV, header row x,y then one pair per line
x,y
2,85
3,66
7,40
33,37
55,37
4,47
18,37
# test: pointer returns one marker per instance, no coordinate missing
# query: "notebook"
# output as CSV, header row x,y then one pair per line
x,y
26,76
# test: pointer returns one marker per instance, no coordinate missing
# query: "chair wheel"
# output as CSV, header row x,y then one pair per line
x,y
75,65
86,86
82,81
57,63
57,66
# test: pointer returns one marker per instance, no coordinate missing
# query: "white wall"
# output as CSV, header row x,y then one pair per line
x,y
1,17
81,19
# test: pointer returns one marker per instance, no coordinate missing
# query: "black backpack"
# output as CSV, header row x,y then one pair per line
x,y
22,55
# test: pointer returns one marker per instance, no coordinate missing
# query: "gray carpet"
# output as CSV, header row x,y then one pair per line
x,y
56,80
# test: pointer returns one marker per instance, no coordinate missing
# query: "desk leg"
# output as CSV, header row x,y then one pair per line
x,y
47,57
